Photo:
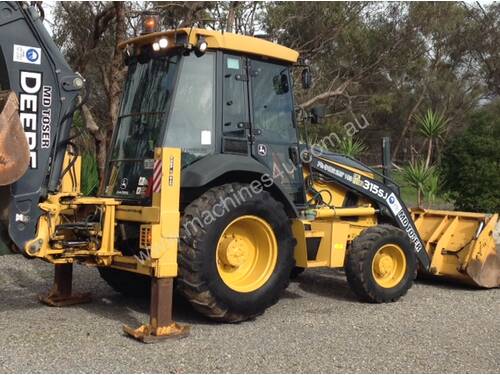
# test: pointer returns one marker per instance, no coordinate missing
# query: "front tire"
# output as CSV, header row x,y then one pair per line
x,y
235,266
381,264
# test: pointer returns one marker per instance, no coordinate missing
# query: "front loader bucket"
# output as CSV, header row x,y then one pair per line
x,y
14,150
460,245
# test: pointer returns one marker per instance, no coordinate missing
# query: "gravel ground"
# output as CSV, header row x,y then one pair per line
x,y
318,326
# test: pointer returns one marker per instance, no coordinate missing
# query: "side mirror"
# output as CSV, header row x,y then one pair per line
x,y
306,79
317,114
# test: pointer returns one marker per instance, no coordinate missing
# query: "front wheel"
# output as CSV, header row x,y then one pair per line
x,y
381,264
235,266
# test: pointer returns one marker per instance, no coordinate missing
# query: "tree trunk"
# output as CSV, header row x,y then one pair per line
x,y
231,16
99,140
116,71
113,78
408,123
429,153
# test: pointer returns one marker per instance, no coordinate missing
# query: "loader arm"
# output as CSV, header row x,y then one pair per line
x,y
33,68
385,197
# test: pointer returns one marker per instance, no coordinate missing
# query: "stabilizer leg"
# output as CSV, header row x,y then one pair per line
x,y
61,293
161,326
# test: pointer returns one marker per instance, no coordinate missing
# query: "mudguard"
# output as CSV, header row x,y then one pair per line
x,y
215,166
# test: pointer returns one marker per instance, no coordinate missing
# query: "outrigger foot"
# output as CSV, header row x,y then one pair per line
x,y
161,326
61,294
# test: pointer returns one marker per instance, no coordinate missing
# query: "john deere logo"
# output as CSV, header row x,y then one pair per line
x,y
262,150
123,183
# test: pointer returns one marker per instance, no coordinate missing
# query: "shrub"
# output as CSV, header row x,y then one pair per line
x,y
470,163
432,125
423,178
90,174
351,147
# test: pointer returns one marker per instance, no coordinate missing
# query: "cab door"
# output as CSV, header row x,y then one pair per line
x,y
273,132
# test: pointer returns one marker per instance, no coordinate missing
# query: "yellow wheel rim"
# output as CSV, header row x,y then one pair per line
x,y
389,266
247,252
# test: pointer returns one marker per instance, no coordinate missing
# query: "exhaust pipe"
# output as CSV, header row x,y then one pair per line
x,y
14,149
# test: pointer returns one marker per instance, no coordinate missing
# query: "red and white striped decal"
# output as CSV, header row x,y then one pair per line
x,y
157,176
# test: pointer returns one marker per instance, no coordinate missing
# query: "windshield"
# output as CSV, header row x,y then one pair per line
x,y
192,116
167,101
146,97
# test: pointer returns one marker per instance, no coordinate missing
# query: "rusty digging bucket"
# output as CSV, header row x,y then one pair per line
x,y
14,150
461,245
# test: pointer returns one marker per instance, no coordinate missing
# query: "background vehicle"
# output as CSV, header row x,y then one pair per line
x,y
207,183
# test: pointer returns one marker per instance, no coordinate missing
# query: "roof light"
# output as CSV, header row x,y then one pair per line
x,y
163,43
201,46
150,24
156,46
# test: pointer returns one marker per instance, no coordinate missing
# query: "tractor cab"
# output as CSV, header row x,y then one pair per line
x,y
218,97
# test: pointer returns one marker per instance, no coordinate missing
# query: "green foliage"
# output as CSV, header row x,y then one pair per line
x,y
471,163
433,187
90,174
432,125
383,60
423,178
352,147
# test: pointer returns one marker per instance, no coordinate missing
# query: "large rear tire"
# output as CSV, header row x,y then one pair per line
x,y
381,264
235,254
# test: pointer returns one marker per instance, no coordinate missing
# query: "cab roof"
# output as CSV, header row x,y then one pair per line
x,y
218,40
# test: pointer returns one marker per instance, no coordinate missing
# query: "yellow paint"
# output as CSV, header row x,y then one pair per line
x,y
161,220
56,209
246,254
165,234
335,234
224,41
332,194
69,185
340,236
138,214
451,239
299,233
389,266
326,213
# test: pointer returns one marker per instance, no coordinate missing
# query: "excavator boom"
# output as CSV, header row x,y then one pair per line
x,y
33,69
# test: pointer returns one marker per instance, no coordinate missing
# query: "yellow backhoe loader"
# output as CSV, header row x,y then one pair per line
x,y
206,183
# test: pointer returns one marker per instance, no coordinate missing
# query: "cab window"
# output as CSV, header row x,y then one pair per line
x,y
272,102
191,121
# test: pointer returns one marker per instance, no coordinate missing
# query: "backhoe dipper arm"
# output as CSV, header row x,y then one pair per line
x,y
32,66
380,193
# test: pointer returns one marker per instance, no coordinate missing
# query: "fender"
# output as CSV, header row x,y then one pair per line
x,y
212,167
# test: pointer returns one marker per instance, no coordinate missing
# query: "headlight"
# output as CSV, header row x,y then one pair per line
x,y
163,43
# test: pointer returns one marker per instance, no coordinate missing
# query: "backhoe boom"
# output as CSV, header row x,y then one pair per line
x,y
33,68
